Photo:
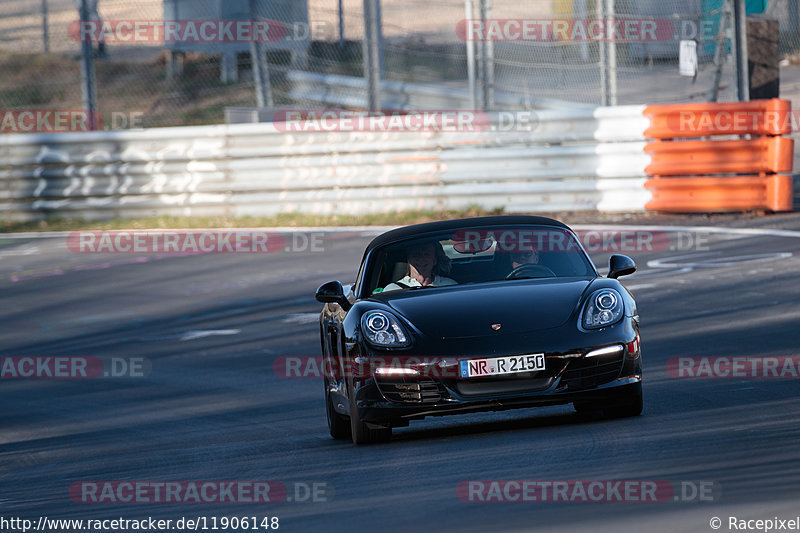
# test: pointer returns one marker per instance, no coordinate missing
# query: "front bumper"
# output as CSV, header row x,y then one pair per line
x,y
393,400
390,414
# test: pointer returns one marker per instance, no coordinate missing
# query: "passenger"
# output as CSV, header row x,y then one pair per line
x,y
426,264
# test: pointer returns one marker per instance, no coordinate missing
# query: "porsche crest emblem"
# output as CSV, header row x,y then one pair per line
x,y
497,327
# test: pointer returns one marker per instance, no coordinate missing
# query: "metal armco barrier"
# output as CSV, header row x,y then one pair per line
x,y
581,159
687,174
562,160
326,90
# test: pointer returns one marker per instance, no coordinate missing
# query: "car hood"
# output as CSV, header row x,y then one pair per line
x,y
469,311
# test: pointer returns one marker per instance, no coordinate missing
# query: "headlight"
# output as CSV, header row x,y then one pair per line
x,y
383,329
603,309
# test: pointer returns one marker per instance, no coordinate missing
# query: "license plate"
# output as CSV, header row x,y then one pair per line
x,y
499,366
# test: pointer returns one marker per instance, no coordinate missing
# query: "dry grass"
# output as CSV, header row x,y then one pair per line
x,y
286,220
48,81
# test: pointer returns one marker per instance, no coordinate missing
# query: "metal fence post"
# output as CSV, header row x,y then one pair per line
x,y
742,68
720,48
608,56
260,66
473,82
371,55
602,53
340,12
612,56
487,59
87,72
45,33
379,31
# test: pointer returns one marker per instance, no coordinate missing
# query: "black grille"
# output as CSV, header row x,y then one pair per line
x,y
423,390
591,372
510,383
503,385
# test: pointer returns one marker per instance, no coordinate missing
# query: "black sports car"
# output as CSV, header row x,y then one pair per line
x,y
478,314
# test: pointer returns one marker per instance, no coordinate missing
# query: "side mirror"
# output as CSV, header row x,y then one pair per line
x,y
620,265
332,292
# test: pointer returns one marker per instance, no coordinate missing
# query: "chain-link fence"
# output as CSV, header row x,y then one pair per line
x,y
154,79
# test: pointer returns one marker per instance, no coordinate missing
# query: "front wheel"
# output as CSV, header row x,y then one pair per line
x,y
338,425
360,432
630,404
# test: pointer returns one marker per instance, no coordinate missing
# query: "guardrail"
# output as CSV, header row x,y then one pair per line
x,y
580,159
329,90
568,160
742,140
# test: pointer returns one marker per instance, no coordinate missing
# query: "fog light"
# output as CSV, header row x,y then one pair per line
x,y
605,351
394,371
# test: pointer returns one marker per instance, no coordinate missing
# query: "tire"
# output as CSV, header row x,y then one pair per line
x,y
359,431
632,406
627,406
338,425
586,408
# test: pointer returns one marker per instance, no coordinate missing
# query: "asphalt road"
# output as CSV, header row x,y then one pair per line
x,y
211,407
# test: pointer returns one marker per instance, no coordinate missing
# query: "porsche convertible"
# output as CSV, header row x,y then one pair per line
x,y
471,315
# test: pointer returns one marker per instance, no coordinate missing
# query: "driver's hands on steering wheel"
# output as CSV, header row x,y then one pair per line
x,y
532,268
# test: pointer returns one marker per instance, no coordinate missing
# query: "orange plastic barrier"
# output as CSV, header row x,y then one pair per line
x,y
766,155
758,117
740,193
687,173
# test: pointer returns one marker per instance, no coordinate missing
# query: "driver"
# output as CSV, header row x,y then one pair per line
x,y
525,263
524,257
426,264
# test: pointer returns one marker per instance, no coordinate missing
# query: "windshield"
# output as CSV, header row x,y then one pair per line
x,y
476,255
